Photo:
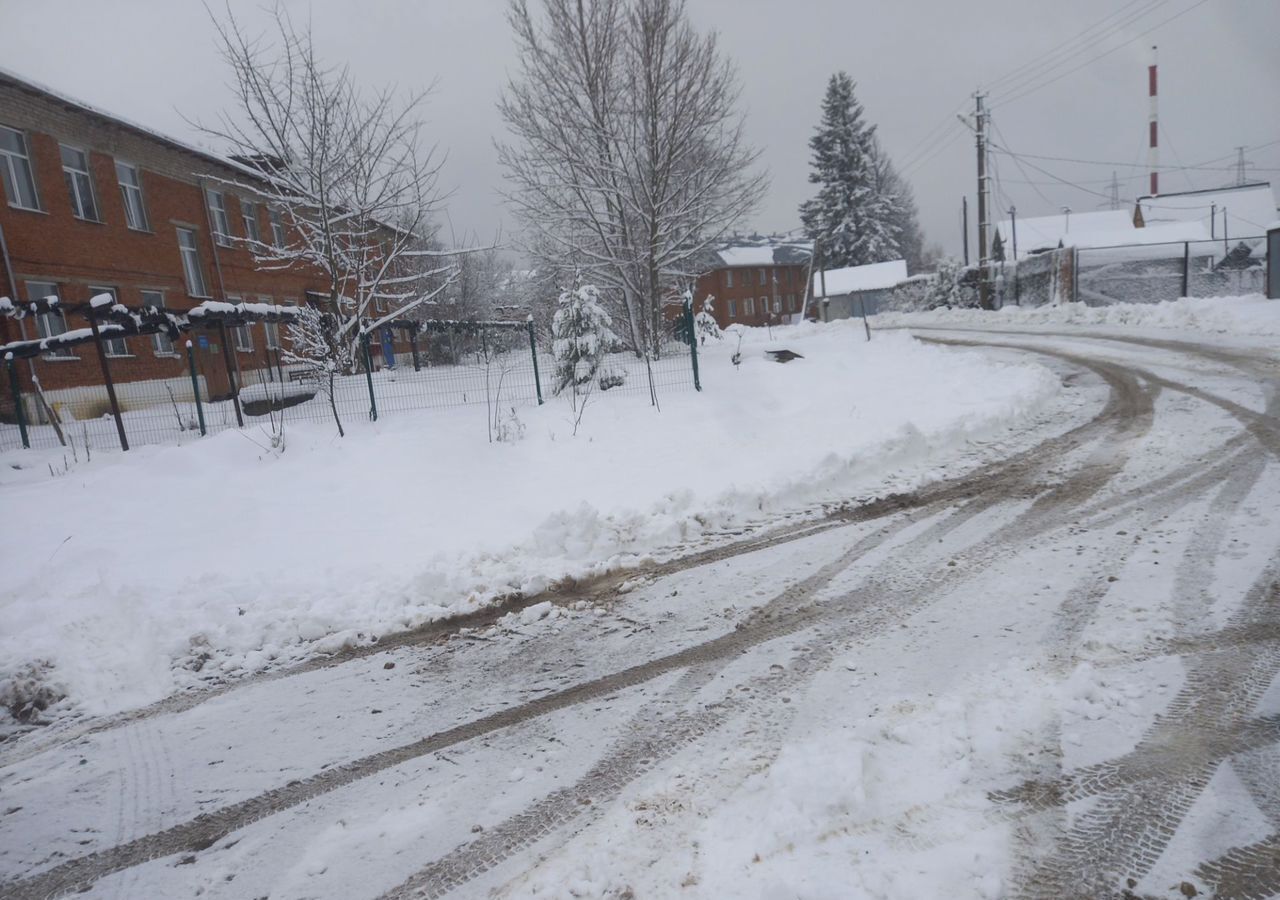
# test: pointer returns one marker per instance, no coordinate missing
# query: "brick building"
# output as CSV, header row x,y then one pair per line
x,y
94,204
756,282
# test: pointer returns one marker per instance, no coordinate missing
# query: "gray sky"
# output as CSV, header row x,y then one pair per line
x,y
916,63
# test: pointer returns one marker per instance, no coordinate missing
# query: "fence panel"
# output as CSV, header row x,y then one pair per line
x,y
486,366
1155,272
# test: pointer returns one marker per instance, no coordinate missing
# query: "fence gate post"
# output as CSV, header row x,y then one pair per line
x,y
231,372
693,341
1186,269
18,411
106,377
195,387
533,350
413,344
368,375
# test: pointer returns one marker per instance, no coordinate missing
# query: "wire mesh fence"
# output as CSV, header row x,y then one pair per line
x,y
210,381
1136,273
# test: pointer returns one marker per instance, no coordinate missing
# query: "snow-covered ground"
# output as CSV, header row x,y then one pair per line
x,y
138,574
1249,315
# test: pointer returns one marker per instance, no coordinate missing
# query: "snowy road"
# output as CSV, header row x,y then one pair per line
x,y
1050,674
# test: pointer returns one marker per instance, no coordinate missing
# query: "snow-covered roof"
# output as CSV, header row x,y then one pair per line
x,y
763,252
1109,228
860,278
1248,209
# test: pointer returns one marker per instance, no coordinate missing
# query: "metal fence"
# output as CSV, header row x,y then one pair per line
x,y
1135,273
206,390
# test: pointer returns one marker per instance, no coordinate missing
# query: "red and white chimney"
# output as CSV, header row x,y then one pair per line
x,y
1153,146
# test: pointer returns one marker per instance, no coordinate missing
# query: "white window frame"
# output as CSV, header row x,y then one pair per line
x,y
9,174
276,222
192,273
241,335
764,306
249,218
46,320
135,205
271,329
217,201
79,180
777,306
749,306
733,309
161,343
728,278
763,278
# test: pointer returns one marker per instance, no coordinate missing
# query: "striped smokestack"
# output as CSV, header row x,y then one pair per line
x,y
1153,147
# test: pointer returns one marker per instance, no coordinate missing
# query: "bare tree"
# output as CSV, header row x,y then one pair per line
x,y
628,161
348,189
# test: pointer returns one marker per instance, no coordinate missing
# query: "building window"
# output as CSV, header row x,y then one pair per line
x,y
791,303
48,324
218,212
75,166
762,276
749,307
191,267
160,341
777,305
249,215
15,170
242,336
271,328
111,346
728,278
733,309
764,306
135,212
277,227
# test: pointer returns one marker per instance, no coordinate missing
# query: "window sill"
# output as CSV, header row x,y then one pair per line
x,y
88,220
170,355
31,209
140,230
51,358
121,355
243,350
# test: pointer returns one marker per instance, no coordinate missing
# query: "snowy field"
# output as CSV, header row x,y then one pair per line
x,y
1242,316
139,574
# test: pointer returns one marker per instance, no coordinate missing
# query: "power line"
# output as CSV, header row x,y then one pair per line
x,y
1011,97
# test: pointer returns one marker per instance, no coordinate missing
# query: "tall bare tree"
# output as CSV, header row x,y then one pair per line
x,y
343,175
628,160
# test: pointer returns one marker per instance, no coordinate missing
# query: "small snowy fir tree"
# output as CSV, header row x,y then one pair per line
x,y
704,323
855,217
582,334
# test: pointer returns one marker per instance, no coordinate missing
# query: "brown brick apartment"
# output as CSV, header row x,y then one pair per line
x,y
756,282
94,204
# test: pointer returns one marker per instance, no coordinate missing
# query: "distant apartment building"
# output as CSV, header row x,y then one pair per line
x,y
94,204
755,282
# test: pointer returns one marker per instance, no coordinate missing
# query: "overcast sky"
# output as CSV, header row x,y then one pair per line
x,y
916,62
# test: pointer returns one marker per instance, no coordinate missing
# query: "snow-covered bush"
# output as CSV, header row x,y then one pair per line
x,y
951,288
314,344
582,335
704,323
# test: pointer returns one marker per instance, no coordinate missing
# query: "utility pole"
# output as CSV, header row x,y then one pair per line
x,y
964,226
980,116
1013,225
1153,127
1066,212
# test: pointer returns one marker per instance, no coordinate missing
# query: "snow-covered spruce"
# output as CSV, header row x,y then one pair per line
x,y
582,334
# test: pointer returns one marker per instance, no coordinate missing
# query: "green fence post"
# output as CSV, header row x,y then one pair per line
x,y
18,411
368,374
413,343
195,386
693,341
533,349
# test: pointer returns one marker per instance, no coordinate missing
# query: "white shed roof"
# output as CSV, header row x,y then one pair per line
x,y
1247,209
860,278
1110,228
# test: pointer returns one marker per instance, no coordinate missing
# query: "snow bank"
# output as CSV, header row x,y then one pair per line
x,y
143,573
1250,315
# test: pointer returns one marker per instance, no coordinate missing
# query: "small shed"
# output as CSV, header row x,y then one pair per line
x,y
855,290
